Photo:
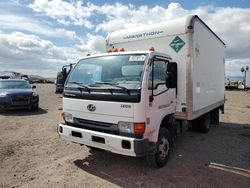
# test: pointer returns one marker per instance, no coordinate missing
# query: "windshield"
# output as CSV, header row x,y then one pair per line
x,y
118,71
13,84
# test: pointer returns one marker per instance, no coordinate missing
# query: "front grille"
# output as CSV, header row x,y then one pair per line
x,y
20,99
96,126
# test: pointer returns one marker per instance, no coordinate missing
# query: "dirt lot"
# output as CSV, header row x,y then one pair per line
x,y
32,155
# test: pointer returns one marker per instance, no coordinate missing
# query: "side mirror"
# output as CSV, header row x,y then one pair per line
x,y
171,78
33,87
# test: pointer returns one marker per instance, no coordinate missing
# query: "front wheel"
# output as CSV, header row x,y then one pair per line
x,y
160,158
34,107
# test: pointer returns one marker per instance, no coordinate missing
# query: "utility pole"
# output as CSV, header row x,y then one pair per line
x,y
244,70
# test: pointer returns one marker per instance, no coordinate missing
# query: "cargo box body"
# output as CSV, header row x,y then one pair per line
x,y
247,79
199,54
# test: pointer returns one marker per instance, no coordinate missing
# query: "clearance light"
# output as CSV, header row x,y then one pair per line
x,y
139,128
62,115
122,50
109,50
152,49
115,50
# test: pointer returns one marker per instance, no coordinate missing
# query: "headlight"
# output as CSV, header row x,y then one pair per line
x,y
126,127
67,117
129,127
34,94
4,94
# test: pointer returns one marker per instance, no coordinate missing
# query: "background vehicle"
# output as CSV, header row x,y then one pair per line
x,y
233,84
16,94
62,76
128,102
247,79
13,75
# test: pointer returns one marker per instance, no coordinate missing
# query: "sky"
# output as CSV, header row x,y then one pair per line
x,y
39,36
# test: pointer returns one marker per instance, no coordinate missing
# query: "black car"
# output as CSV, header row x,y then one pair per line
x,y
16,94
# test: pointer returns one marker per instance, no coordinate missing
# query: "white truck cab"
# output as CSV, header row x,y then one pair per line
x,y
118,101
126,101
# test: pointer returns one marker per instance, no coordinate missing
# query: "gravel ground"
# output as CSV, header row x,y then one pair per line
x,y
32,154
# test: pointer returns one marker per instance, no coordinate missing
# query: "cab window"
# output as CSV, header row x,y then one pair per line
x,y
160,68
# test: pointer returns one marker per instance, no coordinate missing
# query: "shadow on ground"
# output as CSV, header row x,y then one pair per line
x,y
24,112
227,144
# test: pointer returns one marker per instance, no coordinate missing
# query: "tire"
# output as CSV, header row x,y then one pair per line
x,y
215,117
34,107
205,123
195,124
201,124
160,158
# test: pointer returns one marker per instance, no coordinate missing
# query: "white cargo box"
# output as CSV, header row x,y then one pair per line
x,y
247,79
199,53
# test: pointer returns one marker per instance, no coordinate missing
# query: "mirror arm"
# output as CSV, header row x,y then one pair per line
x,y
151,98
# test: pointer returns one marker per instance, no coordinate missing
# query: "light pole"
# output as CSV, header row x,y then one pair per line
x,y
243,70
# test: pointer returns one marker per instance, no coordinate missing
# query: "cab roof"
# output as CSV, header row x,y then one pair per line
x,y
150,53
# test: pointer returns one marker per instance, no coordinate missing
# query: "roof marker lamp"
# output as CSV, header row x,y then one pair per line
x,y
152,49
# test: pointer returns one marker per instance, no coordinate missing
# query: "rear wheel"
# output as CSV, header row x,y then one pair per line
x,y
205,123
160,158
201,124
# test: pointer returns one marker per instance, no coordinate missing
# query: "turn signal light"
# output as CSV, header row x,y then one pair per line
x,y
62,115
139,128
122,50
109,50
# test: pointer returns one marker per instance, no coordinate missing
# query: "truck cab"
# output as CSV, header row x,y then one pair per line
x,y
122,102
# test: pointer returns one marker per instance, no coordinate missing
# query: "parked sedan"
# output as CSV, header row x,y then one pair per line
x,y
16,94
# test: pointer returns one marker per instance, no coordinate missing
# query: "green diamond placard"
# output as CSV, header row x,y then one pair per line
x,y
177,44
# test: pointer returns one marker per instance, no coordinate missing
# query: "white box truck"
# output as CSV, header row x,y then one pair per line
x,y
247,79
129,99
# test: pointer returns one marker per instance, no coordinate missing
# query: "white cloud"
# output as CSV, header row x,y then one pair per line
x,y
19,22
64,12
69,34
19,51
233,26
120,16
33,55
233,66
94,44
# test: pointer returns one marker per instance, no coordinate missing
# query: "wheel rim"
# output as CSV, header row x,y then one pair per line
x,y
163,148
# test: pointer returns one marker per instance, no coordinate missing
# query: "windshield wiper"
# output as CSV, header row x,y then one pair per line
x,y
112,84
81,86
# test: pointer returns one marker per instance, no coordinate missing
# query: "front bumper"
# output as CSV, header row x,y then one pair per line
x,y
6,104
113,143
